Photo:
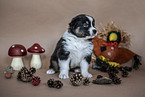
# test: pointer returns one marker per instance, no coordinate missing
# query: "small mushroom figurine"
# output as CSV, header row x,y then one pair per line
x,y
36,50
17,51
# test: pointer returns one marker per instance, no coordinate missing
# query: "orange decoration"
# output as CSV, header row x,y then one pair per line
x,y
113,53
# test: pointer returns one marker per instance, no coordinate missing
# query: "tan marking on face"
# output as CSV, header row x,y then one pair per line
x,y
87,22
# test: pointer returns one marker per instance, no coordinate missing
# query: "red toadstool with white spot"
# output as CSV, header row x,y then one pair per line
x,y
36,50
17,51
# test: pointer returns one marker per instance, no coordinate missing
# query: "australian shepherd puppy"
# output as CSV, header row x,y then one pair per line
x,y
74,48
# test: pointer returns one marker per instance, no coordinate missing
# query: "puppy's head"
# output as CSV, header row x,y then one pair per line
x,y
82,26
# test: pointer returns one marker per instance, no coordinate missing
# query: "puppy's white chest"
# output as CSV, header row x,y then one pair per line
x,y
78,49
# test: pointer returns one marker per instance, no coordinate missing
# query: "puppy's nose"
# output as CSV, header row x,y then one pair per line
x,y
94,31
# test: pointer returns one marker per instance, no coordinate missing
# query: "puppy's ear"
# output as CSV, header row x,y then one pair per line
x,y
75,21
72,24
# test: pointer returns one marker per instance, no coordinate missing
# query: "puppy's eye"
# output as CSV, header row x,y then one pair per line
x,y
85,25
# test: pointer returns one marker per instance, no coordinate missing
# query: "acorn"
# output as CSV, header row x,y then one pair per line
x,y
8,75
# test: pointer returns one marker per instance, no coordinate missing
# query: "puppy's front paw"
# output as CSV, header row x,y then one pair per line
x,y
63,75
50,71
86,74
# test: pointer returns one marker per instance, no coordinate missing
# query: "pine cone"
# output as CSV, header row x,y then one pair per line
x,y
32,70
124,73
86,82
58,84
128,68
24,75
76,79
112,75
35,80
50,83
116,80
113,69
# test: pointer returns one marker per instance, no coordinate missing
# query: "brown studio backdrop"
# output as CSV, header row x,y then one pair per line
x,y
29,21
44,21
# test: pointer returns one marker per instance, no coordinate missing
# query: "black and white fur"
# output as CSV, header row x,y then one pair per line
x,y
75,47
